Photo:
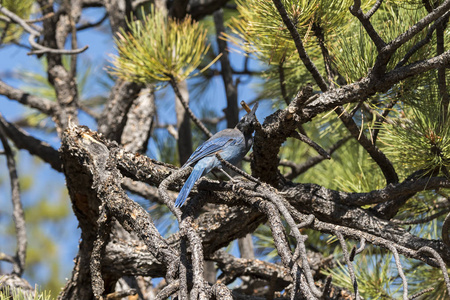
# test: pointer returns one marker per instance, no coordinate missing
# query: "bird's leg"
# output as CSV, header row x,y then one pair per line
x,y
228,175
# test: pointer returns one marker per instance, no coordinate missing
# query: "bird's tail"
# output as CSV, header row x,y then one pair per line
x,y
187,187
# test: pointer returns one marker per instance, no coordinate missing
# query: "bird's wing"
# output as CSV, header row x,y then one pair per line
x,y
211,146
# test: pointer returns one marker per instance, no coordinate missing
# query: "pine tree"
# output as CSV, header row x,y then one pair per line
x,y
344,195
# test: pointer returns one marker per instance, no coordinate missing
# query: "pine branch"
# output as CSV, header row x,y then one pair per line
x,y
300,48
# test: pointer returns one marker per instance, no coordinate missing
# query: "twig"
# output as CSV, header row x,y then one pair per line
x,y
327,287
421,220
419,26
300,284
283,83
195,242
163,188
90,25
42,104
393,191
400,270
385,55
446,231
351,270
374,8
311,143
168,290
331,71
7,257
417,295
299,45
275,224
297,169
423,41
356,10
18,214
441,264
199,123
43,49
309,220
18,20
382,161
362,245
278,201
354,252
34,34
37,20
183,270
233,267
23,140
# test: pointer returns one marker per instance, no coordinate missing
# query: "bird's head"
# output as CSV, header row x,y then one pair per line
x,y
247,123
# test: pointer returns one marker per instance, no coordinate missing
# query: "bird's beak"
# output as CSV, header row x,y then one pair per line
x,y
247,108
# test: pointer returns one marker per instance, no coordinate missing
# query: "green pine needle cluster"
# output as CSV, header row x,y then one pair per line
x,y
353,51
158,48
420,140
260,30
375,276
18,294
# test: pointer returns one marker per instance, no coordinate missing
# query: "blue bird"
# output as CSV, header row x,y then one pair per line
x,y
232,144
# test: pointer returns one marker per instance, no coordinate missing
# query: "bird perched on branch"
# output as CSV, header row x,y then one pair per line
x,y
231,144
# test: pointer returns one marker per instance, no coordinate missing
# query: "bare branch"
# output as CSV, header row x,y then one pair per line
x,y
423,41
197,122
446,231
351,270
168,290
393,191
311,143
400,271
7,257
42,49
356,10
419,26
382,161
421,220
23,140
374,8
42,104
95,24
18,213
34,34
387,51
19,21
441,263
297,169
417,295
